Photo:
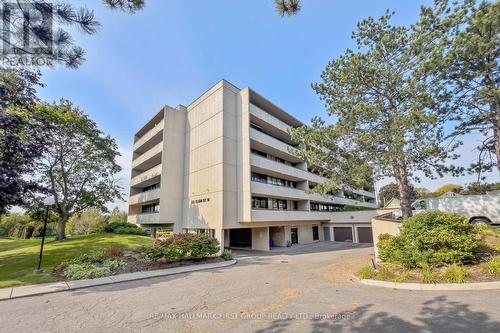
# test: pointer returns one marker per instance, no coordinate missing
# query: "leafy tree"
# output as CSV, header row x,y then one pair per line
x,y
117,216
22,137
468,62
63,50
448,188
390,191
86,221
478,188
80,163
388,110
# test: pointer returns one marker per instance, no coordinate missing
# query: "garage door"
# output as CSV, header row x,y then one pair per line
x,y
365,235
342,234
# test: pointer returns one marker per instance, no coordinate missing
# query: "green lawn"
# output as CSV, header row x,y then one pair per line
x,y
18,258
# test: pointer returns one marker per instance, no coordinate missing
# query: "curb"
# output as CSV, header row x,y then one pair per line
x,y
49,288
431,287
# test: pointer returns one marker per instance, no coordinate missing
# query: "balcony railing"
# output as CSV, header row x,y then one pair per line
x,y
146,175
151,133
153,152
144,197
144,218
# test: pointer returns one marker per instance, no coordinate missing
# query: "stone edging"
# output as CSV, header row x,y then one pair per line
x,y
429,287
47,288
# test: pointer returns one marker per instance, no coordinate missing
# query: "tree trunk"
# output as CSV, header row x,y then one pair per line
x,y
61,228
404,191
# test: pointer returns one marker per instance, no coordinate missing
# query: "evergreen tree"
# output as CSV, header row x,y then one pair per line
x,y
387,110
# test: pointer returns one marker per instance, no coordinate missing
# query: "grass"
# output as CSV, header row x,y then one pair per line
x,y
456,274
18,258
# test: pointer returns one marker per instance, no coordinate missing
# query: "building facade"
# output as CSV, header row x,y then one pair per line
x,y
222,165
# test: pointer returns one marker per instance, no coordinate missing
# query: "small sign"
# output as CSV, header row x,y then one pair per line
x,y
197,201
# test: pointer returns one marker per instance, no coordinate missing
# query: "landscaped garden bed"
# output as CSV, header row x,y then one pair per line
x,y
437,247
173,251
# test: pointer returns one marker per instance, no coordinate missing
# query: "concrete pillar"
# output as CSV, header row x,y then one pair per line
x,y
260,239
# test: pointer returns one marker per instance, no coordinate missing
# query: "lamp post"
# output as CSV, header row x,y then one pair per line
x,y
49,201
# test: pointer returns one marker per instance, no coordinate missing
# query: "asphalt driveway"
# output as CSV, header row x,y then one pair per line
x,y
303,289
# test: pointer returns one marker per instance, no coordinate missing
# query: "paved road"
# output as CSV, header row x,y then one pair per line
x,y
307,289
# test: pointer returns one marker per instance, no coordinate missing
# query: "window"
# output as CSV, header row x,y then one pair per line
x,y
151,187
152,208
325,207
257,177
274,204
259,203
272,157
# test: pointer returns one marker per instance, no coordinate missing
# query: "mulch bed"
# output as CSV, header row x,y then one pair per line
x,y
134,263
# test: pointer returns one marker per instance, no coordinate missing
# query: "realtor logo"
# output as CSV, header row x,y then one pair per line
x,y
27,33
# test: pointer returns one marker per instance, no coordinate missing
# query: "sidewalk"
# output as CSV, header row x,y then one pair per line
x,y
47,288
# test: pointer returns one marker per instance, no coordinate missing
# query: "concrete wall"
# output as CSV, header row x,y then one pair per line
x,y
260,239
278,235
382,227
171,201
203,173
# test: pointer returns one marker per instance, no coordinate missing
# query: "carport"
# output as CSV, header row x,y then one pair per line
x,y
240,237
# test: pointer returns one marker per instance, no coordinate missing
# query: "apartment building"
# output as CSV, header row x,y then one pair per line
x,y
222,165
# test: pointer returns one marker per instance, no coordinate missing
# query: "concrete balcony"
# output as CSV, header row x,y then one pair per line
x,y
144,197
276,169
269,119
149,158
149,136
265,215
144,218
269,215
290,193
147,177
273,146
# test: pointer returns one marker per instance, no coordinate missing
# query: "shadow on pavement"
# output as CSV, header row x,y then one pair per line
x,y
436,315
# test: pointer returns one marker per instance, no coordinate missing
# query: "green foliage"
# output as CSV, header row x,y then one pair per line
x,y
456,274
125,228
388,111
91,265
432,238
18,257
367,273
390,191
467,59
87,222
23,226
184,246
79,166
351,208
493,267
448,188
428,274
227,254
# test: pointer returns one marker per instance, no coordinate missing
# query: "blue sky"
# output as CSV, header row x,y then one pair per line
x,y
174,50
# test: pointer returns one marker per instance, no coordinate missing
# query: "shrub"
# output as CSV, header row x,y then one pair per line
x,y
185,246
493,267
434,238
456,274
227,254
428,274
125,228
367,273
113,252
91,265
85,271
